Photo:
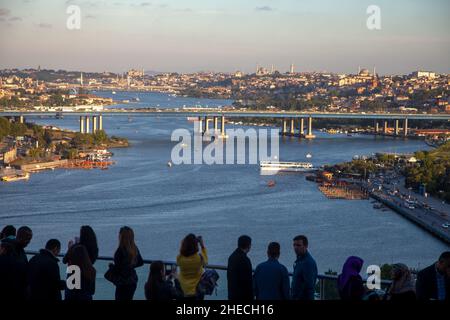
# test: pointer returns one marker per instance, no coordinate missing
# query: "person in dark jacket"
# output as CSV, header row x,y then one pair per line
x,y
271,279
158,288
239,272
402,287
12,271
44,277
305,271
79,257
349,282
433,282
126,259
23,239
89,240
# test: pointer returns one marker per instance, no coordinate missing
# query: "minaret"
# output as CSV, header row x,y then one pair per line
x,y
292,68
272,69
81,79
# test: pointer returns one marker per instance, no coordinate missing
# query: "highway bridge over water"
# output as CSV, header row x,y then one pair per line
x,y
209,115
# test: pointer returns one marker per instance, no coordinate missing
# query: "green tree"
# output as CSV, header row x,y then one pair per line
x,y
100,137
4,127
47,138
17,129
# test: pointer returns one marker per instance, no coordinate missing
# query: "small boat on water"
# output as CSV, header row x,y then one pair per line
x,y
270,166
378,206
113,92
16,177
271,184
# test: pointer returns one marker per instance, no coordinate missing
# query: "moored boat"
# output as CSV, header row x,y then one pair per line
x,y
275,166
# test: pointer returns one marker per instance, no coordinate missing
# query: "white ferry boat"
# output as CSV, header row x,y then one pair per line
x,y
274,166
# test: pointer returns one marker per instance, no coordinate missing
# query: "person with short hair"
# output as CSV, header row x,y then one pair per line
x,y
433,282
23,239
305,271
240,272
271,278
44,276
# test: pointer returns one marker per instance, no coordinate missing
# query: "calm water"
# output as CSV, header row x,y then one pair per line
x,y
220,202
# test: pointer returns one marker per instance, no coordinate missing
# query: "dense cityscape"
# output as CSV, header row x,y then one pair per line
x,y
363,91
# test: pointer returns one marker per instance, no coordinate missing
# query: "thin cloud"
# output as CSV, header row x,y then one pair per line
x,y
183,10
264,8
45,25
145,4
15,19
90,16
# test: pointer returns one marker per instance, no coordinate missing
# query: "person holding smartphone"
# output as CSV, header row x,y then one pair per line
x,y
159,286
191,264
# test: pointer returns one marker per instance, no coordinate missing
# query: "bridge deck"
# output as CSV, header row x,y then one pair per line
x,y
235,114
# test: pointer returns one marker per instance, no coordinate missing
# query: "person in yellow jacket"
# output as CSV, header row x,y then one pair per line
x,y
191,263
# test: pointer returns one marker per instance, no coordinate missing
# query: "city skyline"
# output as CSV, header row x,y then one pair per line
x,y
172,36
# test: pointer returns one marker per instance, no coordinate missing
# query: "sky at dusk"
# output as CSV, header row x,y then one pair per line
x,y
227,35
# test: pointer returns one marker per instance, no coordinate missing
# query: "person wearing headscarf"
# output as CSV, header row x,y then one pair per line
x,y
403,286
350,284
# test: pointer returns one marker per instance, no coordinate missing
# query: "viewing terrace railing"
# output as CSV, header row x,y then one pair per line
x,y
326,287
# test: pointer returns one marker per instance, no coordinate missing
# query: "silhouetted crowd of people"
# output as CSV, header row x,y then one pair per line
x,y
39,278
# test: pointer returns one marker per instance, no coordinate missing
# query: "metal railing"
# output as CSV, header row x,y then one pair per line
x,y
326,287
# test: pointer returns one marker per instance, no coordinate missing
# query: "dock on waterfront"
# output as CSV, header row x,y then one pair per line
x,y
343,191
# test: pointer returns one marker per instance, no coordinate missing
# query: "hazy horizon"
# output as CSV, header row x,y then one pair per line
x,y
226,36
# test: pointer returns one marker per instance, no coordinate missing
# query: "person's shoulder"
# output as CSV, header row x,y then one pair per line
x,y
310,260
260,265
428,270
234,254
283,268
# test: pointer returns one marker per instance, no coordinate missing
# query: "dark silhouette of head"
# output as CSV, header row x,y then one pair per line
x,y
273,250
244,243
300,245
54,246
8,231
189,245
89,240
155,277
24,236
80,257
443,264
126,242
